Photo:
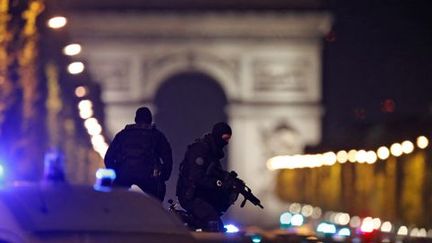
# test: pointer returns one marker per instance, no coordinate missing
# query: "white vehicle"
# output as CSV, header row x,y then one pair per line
x,y
59,212
55,211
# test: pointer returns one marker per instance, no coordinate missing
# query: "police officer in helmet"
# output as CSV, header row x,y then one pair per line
x,y
140,154
201,190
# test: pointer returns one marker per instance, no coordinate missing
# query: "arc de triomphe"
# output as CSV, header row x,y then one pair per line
x,y
268,65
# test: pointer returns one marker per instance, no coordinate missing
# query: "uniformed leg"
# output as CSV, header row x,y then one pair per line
x,y
122,182
208,219
155,188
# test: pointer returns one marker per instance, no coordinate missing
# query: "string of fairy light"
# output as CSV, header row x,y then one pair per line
x,y
361,156
85,105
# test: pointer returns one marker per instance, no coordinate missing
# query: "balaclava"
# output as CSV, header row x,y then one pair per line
x,y
218,130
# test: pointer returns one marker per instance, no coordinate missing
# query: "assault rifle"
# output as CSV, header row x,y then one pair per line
x,y
240,187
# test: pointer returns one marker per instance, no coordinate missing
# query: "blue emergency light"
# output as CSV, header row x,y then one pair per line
x,y
1,173
326,228
230,228
285,219
297,220
256,238
2,176
54,166
104,179
344,232
105,174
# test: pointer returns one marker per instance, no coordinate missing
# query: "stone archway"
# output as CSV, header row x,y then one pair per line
x,y
159,69
187,104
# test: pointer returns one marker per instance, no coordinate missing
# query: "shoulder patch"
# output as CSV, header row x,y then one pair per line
x,y
199,161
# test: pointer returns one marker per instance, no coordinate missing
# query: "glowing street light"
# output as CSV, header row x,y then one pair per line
x,y
386,227
383,152
371,157
342,156
355,221
80,91
403,230
361,156
57,22
422,142
76,68
72,49
407,147
307,210
85,105
396,149
352,155
367,225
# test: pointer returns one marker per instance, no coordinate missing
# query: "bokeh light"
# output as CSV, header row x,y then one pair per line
x,y
367,225
371,157
80,91
285,219
85,104
342,156
57,22
422,142
230,228
383,152
386,227
72,49
352,155
355,222
307,210
403,230
396,149
76,67
297,220
407,147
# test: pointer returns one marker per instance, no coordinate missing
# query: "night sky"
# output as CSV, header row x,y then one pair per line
x,y
377,71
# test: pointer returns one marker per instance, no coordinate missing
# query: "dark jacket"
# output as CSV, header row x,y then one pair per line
x,y
202,176
137,150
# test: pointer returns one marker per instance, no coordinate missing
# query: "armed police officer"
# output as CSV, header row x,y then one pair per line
x,y
201,188
140,154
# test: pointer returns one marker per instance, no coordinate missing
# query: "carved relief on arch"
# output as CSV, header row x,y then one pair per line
x,y
113,73
224,70
289,75
281,139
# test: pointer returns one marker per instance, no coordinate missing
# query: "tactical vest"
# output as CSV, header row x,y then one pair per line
x,y
138,153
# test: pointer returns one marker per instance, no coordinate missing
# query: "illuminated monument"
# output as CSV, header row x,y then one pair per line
x,y
268,64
